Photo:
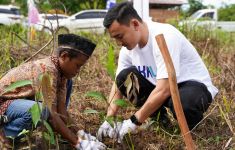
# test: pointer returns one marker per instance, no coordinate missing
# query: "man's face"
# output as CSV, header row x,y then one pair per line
x,y
127,36
71,66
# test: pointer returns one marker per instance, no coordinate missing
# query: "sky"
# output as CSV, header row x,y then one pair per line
x,y
218,3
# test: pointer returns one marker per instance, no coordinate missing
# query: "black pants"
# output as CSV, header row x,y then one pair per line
x,y
194,96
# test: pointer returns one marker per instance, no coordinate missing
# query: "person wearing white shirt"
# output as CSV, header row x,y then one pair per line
x,y
141,56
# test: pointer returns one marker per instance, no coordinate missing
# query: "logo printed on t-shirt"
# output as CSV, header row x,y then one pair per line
x,y
146,71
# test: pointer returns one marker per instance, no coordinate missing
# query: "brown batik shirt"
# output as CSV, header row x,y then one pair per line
x,y
31,71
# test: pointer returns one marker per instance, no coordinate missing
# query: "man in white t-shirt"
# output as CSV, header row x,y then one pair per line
x,y
140,56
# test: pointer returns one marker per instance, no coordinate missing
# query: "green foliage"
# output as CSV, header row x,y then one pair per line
x,y
35,113
113,119
38,96
50,136
5,1
35,110
110,120
70,7
6,58
92,4
17,84
223,41
7,45
16,28
45,6
194,6
225,116
121,103
227,13
228,104
96,95
23,132
45,94
216,37
129,142
20,3
110,65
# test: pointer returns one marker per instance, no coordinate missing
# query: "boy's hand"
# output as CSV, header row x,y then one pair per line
x,y
90,145
86,136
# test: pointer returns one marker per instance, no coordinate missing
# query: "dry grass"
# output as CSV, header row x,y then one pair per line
x,y
215,131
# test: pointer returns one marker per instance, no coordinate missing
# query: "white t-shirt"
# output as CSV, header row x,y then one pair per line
x,y
149,61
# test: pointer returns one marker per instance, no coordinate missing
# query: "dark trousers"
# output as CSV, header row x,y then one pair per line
x,y
194,96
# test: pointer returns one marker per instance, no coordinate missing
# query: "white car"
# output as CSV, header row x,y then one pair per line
x,y
208,18
86,20
49,22
10,15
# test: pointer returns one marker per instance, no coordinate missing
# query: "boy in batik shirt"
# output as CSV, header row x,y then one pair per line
x,y
73,51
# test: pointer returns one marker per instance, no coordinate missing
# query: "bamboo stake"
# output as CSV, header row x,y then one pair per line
x,y
175,93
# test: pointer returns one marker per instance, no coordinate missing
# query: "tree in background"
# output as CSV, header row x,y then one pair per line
x,y
66,6
194,5
70,6
227,13
5,1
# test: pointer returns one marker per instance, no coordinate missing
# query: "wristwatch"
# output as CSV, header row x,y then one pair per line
x,y
135,120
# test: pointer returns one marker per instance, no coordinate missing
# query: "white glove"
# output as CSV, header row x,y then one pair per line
x,y
105,130
86,136
90,145
126,127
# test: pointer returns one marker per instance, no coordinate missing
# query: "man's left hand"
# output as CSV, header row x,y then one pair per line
x,y
124,128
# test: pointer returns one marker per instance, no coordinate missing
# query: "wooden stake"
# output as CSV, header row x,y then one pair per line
x,y
175,93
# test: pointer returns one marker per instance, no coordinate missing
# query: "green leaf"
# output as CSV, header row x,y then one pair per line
x,y
46,136
96,95
111,119
90,111
110,66
51,133
121,102
38,96
35,113
24,131
17,84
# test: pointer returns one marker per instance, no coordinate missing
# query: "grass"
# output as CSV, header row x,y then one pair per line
x,y
215,131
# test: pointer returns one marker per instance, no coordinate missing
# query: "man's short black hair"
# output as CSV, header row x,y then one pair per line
x,y
122,12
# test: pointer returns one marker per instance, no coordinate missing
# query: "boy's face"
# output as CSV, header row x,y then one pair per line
x,y
127,36
71,66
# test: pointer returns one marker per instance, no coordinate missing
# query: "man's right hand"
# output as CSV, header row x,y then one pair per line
x,y
90,145
105,130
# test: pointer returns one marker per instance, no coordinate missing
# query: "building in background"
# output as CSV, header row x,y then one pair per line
x,y
163,10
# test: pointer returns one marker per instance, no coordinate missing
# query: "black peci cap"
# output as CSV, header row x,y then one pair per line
x,y
77,43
